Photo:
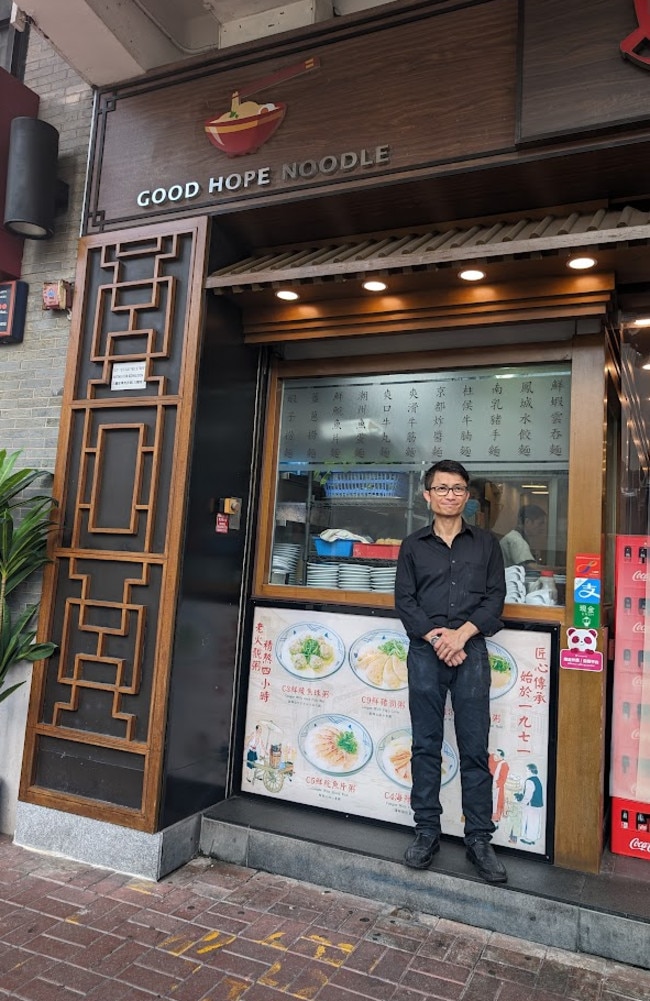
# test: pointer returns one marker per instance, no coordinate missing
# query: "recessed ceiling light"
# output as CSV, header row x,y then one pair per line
x,y
287,294
471,275
581,263
374,286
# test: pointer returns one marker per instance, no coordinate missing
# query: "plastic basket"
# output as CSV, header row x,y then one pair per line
x,y
340,547
371,551
370,484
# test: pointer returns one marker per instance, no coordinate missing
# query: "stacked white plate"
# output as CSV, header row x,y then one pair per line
x,y
354,577
383,578
322,574
285,559
515,585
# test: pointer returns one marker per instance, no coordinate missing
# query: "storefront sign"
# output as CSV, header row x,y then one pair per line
x,y
635,46
562,93
261,177
328,723
247,125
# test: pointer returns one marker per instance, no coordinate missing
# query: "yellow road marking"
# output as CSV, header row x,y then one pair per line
x,y
216,940
140,888
183,945
308,992
268,977
323,945
273,940
235,988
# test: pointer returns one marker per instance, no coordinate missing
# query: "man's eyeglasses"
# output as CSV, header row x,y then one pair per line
x,y
441,491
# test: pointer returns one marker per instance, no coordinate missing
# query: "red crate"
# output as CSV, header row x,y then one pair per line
x,y
370,551
630,828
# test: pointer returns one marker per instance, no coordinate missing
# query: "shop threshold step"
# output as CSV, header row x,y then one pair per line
x,y
599,915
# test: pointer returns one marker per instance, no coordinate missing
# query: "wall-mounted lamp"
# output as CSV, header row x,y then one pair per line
x,y
33,192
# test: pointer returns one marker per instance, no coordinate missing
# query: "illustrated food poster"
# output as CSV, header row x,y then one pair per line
x,y
328,725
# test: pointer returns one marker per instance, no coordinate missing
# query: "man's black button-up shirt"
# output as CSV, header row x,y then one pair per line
x,y
441,585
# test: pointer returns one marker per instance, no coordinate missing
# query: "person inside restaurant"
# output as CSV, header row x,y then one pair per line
x,y
523,545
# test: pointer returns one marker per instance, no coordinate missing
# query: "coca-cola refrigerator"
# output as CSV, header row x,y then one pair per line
x,y
630,766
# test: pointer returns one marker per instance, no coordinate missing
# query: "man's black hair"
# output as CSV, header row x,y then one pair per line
x,y
445,466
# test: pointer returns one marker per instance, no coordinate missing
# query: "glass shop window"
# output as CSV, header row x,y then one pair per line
x,y
353,450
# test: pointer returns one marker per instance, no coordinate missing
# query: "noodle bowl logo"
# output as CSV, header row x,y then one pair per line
x,y
641,846
636,43
248,125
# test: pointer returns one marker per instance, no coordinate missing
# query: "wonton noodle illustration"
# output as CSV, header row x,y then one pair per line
x,y
248,125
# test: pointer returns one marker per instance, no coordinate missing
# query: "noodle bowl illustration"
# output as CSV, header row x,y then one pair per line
x,y
239,134
248,125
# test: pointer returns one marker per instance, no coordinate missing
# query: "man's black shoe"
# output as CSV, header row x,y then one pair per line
x,y
420,853
482,855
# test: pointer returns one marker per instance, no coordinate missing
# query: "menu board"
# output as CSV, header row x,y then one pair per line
x,y
328,724
515,416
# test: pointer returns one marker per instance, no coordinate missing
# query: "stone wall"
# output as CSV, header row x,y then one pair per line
x,y
32,373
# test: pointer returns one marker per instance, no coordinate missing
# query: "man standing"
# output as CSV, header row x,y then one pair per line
x,y
449,594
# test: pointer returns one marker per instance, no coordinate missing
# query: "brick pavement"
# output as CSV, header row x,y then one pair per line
x,y
218,932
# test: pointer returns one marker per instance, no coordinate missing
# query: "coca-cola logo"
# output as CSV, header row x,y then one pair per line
x,y
639,627
639,575
640,846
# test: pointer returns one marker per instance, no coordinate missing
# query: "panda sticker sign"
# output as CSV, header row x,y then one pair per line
x,y
581,653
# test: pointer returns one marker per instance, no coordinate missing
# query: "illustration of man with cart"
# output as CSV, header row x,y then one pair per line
x,y
265,758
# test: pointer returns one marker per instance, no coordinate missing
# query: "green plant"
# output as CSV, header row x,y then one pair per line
x,y
25,522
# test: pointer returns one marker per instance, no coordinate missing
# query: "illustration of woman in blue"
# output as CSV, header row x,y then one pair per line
x,y
532,801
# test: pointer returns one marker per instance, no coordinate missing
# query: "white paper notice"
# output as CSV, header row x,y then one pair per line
x,y
128,375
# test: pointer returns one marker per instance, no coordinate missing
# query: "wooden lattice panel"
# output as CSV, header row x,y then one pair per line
x,y
98,667
97,716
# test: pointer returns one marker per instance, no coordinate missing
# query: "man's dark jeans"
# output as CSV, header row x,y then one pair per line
x,y
429,680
